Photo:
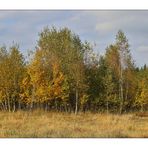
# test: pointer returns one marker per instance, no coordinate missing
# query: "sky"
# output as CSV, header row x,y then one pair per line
x,y
97,27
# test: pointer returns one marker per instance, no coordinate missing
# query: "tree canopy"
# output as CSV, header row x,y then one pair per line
x,y
65,74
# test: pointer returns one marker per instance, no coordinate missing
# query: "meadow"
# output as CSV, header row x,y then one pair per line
x,y
40,124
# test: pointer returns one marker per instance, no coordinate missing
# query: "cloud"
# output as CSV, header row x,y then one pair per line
x,y
142,49
104,27
95,26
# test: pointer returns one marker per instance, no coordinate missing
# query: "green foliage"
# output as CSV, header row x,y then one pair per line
x,y
65,74
141,99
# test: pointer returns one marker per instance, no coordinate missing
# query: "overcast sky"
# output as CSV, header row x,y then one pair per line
x,y
101,27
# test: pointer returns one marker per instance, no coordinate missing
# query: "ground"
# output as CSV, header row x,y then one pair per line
x,y
63,125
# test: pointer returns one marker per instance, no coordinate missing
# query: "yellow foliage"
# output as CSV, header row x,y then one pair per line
x,y
142,95
84,99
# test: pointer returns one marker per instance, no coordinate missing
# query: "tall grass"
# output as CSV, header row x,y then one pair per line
x,y
51,124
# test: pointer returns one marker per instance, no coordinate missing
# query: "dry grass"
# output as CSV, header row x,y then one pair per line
x,y
47,124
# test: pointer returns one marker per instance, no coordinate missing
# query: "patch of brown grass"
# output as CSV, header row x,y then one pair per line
x,y
49,124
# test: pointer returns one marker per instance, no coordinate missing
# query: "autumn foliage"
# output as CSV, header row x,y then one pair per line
x,y
64,74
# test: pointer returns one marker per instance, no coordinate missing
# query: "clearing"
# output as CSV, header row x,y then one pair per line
x,y
63,125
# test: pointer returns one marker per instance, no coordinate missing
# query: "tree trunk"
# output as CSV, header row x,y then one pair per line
x,y
46,106
76,105
5,103
107,106
121,97
65,107
14,108
32,98
19,105
8,101
3,106
126,95
31,106
126,91
9,107
141,108
121,88
56,105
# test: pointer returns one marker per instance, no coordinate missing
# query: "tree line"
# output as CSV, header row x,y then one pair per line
x,y
65,74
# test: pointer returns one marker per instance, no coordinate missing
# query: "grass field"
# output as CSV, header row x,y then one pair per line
x,y
63,125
